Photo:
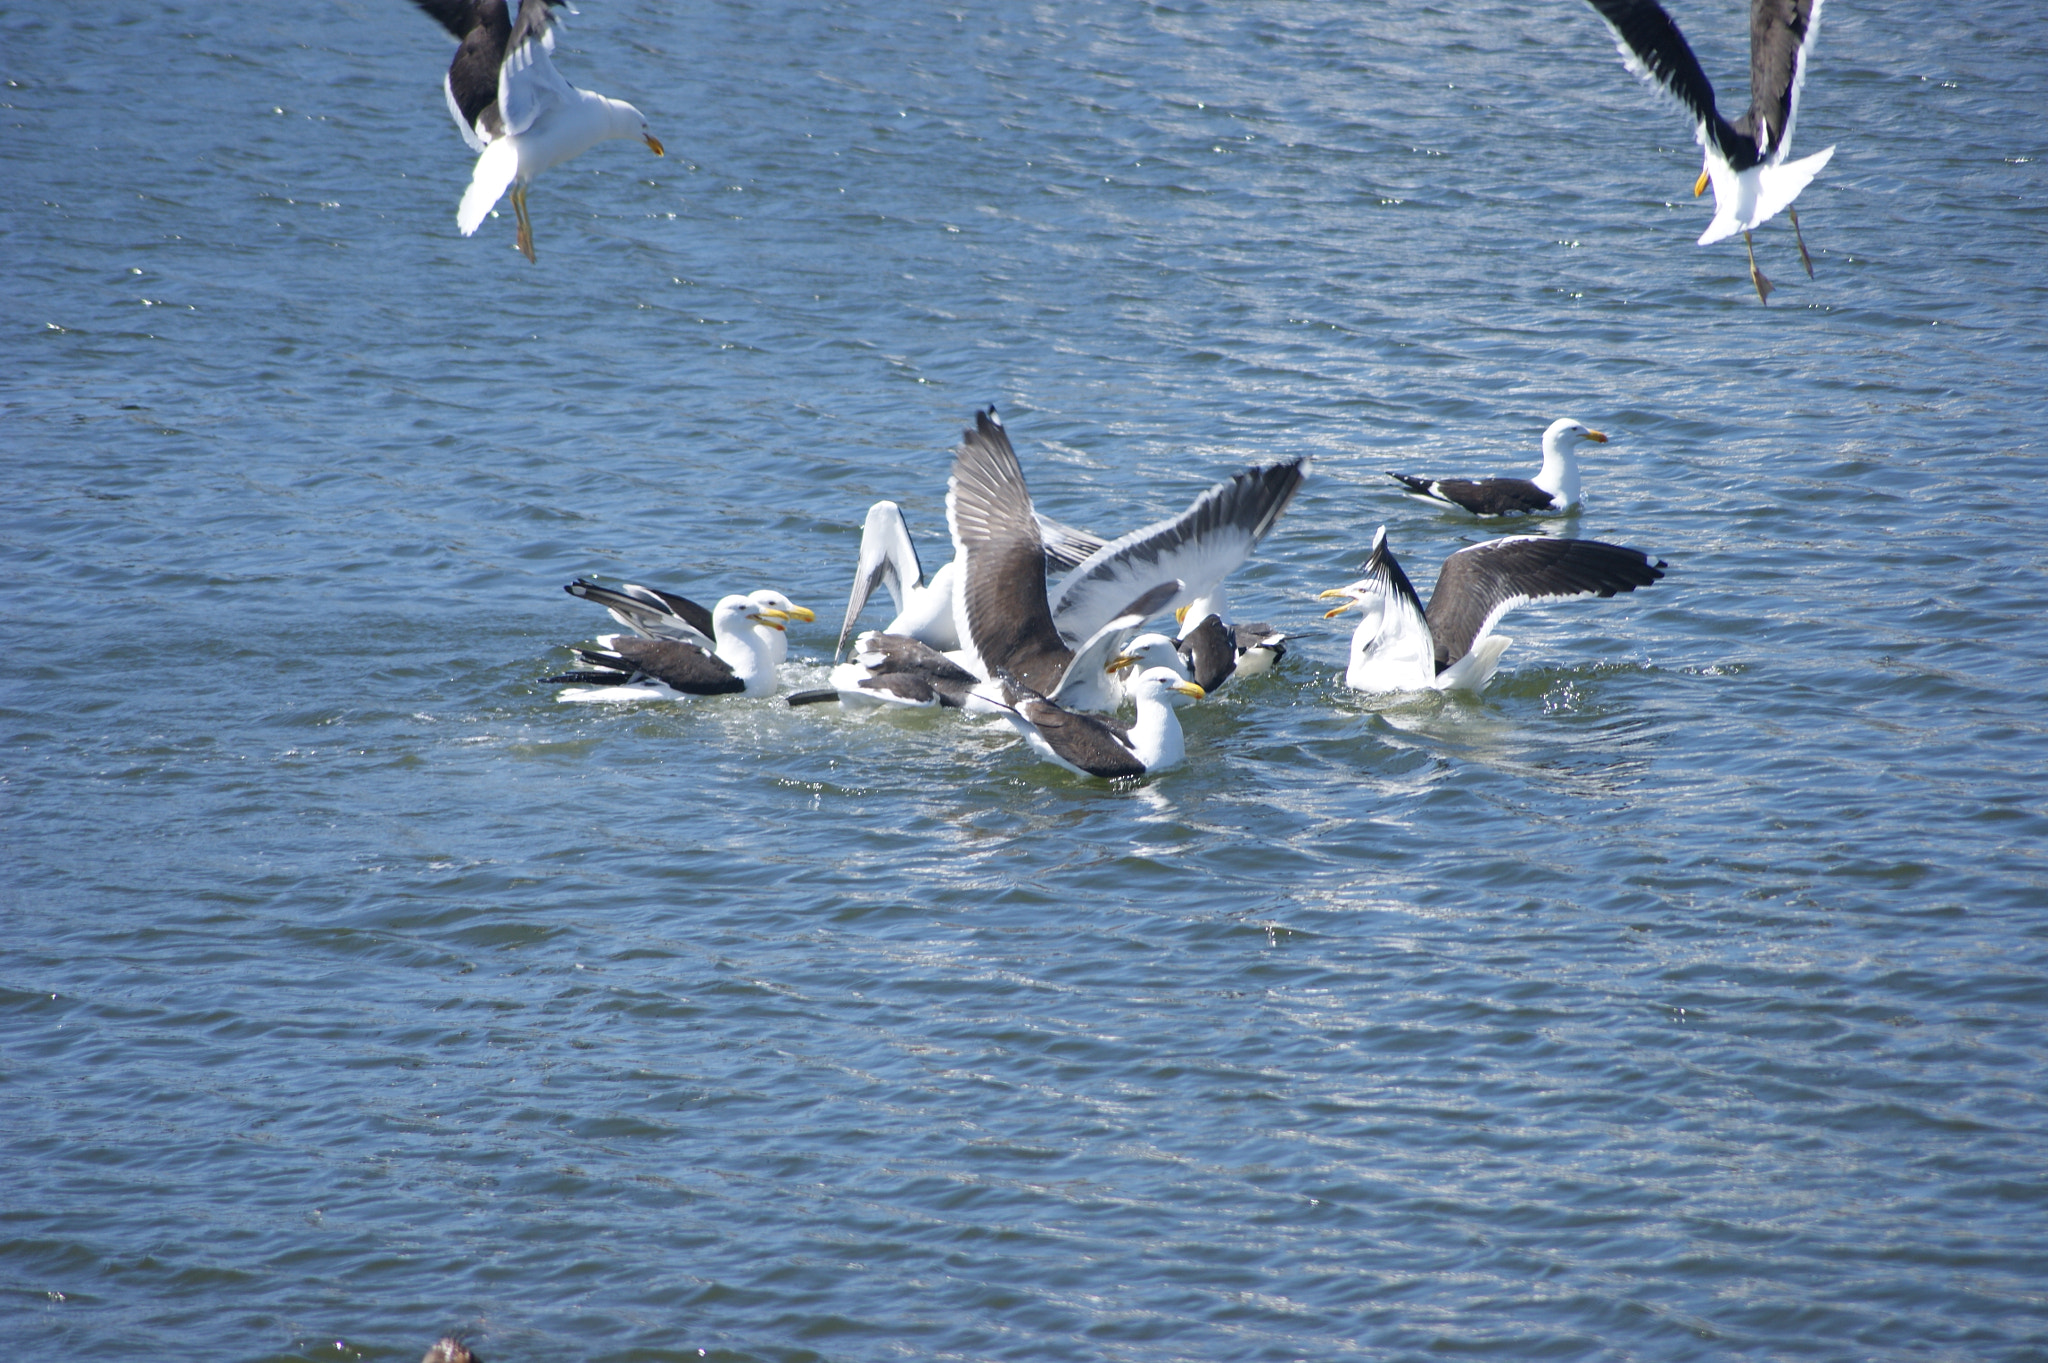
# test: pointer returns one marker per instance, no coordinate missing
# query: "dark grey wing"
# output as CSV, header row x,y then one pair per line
x,y
1781,32
458,16
1201,546
649,611
676,664
1653,48
1066,546
879,652
484,26
1097,746
1002,558
1494,496
1209,651
1259,634
1480,584
890,657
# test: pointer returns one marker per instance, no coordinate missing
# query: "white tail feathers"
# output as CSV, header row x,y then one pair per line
x,y
494,173
1755,196
1782,183
1472,672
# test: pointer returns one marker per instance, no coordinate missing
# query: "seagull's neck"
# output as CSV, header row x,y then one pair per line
x,y
1559,475
1391,650
1155,734
746,653
1216,603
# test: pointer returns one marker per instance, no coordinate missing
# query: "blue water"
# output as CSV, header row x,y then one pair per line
x,y
1682,999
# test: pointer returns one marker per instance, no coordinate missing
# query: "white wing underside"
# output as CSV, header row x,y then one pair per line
x,y
529,85
470,135
1124,569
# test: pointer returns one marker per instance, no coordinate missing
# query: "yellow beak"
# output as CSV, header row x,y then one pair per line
x,y
1337,591
1699,186
1597,437
1180,617
1190,689
806,614
654,144
768,616
1119,663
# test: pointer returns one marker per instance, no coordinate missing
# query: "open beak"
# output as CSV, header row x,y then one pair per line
x,y
654,144
1119,663
1699,186
1190,689
1180,617
1597,437
1337,591
769,616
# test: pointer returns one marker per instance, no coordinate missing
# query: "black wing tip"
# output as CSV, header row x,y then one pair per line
x,y
818,697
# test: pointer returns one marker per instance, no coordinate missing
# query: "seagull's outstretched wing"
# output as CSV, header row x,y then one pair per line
x,y
1066,546
1481,583
1781,34
528,84
650,612
1002,560
1201,546
1653,48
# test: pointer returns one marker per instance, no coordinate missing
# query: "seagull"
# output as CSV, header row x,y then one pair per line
x,y
514,108
895,671
1398,646
1745,160
924,610
1010,620
634,667
1091,746
1209,653
1553,491
655,614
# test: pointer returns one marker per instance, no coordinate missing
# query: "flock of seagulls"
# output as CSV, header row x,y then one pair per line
x,y
1043,626
1046,627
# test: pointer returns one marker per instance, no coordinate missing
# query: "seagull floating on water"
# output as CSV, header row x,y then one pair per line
x,y
1089,745
655,614
1553,491
1745,160
734,658
514,108
1451,646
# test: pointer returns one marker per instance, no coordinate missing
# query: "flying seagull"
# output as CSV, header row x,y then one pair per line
x,y
514,108
1745,160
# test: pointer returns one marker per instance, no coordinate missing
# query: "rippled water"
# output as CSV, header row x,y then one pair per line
x,y
1682,1000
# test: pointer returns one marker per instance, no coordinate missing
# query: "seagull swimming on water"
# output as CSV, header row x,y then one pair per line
x,y
1745,160
1553,491
1450,646
514,108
